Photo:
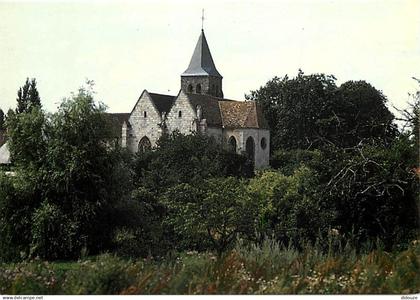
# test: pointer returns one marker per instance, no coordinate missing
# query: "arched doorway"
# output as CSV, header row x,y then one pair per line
x,y
250,148
232,144
144,144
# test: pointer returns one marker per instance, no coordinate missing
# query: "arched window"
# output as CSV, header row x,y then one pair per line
x,y
144,144
198,89
232,144
250,148
263,143
145,114
190,88
180,114
199,112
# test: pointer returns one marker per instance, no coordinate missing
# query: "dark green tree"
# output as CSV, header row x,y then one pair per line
x,y
67,180
212,215
190,158
310,111
296,109
361,113
2,120
28,97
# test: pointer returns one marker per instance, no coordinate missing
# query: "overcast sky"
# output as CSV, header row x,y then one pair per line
x,y
126,47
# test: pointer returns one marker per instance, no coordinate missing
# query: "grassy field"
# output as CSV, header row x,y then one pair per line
x,y
269,269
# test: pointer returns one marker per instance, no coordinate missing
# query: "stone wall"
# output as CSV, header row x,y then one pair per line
x,y
210,85
262,156
143,126
181,117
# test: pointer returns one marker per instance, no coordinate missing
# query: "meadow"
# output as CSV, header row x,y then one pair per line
x,y
265,269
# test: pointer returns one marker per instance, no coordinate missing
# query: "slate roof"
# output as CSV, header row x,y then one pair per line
x,y
209,106
229,113
162,102
4,155
117,120
201,63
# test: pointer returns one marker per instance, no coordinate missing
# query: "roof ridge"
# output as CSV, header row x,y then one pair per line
x,y
159,94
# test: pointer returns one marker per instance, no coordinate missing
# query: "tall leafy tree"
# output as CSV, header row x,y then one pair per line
x,y
361,113
296,109
67,179
310,111
28,97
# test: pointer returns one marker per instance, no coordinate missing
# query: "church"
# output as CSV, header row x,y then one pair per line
x,y
199,106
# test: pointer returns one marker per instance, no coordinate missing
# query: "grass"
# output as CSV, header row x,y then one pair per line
x,y
266,269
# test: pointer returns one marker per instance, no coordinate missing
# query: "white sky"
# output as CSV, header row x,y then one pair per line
x,y
126,47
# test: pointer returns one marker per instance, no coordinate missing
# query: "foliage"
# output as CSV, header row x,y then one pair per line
x,y
28,97
268,268
66,171
290,209
106,275
310,111
53,233
190,158
139,230
362,114
212,215
375,192
17,203
27,138
2,120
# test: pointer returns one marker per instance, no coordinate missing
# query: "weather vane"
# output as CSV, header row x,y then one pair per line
x,y
202,18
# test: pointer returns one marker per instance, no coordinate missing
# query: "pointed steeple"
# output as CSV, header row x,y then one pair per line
x,y
201,63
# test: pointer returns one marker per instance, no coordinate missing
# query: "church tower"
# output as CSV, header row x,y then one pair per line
x,y
201,76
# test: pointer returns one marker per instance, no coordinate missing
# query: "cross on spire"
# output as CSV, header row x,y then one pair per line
x,y
202,18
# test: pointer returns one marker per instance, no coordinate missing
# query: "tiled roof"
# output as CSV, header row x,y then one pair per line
x,y
242,114
162,102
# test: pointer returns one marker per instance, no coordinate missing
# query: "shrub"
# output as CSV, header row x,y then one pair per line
x,y
191,159
53,234
34,277
213,214
290,208
106,275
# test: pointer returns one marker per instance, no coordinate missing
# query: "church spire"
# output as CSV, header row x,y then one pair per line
x,y
201,63
201,76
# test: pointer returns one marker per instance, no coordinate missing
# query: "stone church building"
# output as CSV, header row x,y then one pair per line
x,y
199,107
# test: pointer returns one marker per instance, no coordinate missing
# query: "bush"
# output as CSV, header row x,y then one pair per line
x,y
290,208
106,275
189,159
213,214
53,234
17,203
34,277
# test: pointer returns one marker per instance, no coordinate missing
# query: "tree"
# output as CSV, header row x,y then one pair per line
x,y
212,215
68,179
192,158
361,113
375,192
310,111
28,97
295,109
2,120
